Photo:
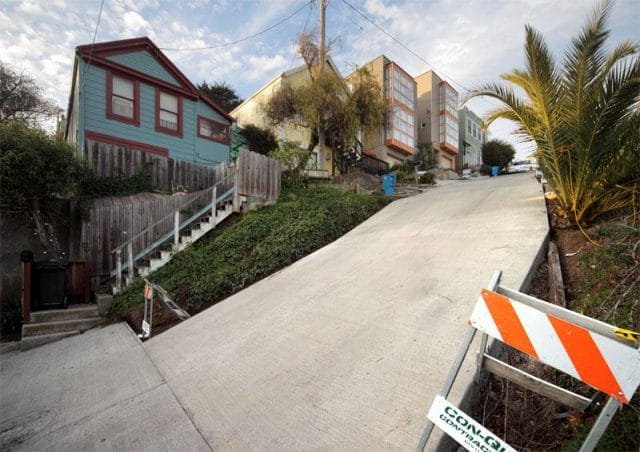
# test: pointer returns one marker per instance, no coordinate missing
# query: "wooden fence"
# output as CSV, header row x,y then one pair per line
x,y
167,174
114,220
258,176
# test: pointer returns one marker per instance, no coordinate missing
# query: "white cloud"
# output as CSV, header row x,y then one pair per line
x,y
134,22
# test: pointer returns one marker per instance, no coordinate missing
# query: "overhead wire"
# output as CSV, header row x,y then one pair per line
x,y
304,29
93,43
404,46
237,41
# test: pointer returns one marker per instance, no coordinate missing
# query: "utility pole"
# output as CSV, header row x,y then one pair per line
x,y
321,137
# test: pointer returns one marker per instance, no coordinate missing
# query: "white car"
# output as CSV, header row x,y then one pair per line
x,y
520,167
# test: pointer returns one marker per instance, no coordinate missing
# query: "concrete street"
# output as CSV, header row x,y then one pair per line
x,y
343,350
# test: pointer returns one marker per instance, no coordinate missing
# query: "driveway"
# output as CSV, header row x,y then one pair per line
x,y
345,349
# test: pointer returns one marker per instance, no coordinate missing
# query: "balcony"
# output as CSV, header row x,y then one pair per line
x,y
399,146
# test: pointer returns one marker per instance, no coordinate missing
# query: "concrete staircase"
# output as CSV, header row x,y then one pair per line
x,y
52,325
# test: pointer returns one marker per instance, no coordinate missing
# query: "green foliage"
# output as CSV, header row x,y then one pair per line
x,y
325,103
221,94
261,141
259,244
33,166
428,178
497,153
609,292
425,158
10,319
294,160
582,115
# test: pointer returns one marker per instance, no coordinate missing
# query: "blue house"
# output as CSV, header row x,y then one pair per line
x,y
128,93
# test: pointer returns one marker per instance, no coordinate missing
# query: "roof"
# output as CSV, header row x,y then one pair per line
x,y
289,73
97,53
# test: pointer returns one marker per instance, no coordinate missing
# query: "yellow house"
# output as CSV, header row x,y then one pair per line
x,y
251,112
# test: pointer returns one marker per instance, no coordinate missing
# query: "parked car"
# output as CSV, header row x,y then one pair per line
x,y
522,166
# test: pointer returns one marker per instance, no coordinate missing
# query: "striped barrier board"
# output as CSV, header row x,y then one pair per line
x,y
607,364
594,352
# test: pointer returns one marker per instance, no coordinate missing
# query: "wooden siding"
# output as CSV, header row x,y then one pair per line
x,y
144,62
167,174
258,176
188,148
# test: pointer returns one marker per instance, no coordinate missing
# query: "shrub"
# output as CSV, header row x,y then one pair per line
x,y
428,178
33,166
294,159
497,153
261,141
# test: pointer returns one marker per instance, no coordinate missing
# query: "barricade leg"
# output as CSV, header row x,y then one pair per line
x,y
601,425
451,377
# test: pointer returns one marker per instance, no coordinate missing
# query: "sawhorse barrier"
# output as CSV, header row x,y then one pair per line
x,y
150,290
602,356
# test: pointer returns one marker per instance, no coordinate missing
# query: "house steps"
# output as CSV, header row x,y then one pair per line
x,y
52,325
188,236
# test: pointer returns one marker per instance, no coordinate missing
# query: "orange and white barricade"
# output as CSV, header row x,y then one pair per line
x,y
600,355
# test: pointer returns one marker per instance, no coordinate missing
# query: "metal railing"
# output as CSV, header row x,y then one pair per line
x,y
228,185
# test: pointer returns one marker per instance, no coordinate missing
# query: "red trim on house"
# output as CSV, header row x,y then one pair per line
x,y
449,114
445,146
397,103
108,139
400,146
159,128
136,100
110,65
96,53
226,127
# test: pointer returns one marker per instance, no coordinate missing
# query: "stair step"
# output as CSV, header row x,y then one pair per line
x,y
34,341
37,329
71,313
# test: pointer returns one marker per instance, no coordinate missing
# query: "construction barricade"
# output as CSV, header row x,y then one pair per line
x,y
600,355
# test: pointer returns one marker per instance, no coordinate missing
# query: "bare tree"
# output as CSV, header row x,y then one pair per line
x,y
21,97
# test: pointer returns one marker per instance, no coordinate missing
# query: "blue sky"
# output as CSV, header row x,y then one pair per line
x,y
467,42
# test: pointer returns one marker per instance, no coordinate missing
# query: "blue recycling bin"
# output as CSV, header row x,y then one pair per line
x,y
388,183
494,171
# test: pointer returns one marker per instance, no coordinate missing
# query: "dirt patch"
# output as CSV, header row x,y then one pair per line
x,y
163,318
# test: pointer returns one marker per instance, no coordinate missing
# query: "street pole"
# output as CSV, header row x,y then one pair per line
x,y
321,136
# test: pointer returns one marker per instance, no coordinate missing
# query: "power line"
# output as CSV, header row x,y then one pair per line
x,y
304,29
93,42
237,41
401,44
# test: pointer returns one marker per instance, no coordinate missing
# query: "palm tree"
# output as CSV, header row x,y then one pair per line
x,y
582,115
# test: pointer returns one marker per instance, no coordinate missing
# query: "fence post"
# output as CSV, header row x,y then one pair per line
x,y
118,269
131,270
236,192
176,230
214,204
26,257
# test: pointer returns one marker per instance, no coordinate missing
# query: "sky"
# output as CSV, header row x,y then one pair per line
x,y
467,42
